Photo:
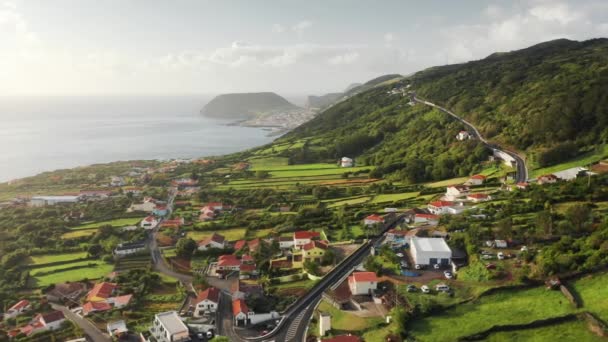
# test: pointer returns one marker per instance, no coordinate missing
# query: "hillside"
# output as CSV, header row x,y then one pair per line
x,y
245,105
546,101
323,101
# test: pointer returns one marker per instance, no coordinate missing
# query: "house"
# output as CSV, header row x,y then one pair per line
x,y
302,237
362,283
184,182
546,179
395,235
92,307
346,162
456,191
160,209
120,301
314,250
213,241
117,328
174,223
342,338
522,185
286,242
129,248
501,244
215,206
242,289
17,309
426,218
463,135
228,262
239,245
240,311
254,245
150,222
42,322
168,327
42,201
117,181
440,207
66,292
479,197
206,214
430,251
207,301
373,219
133,190
573,173
101,292
95,194
476,180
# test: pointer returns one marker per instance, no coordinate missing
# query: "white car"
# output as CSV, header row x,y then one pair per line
x,y
442,288
425,289
400,255
500,256
436,266
524,248
418,266
487,257
448,274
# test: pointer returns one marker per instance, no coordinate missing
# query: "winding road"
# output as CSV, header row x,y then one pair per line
x,y
521,169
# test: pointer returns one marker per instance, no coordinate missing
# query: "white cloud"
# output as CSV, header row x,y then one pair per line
x,y
562,13
347,58
389,38
300,27
278,28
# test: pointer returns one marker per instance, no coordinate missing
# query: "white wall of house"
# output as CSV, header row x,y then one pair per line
x,y
256,318
286,244
423,257
362,287
205,306
211,244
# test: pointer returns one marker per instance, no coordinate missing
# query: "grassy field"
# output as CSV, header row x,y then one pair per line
x,y
86,272
393,197
593,290
357,200
508,307
49,258
583,160
575,331
131,221
46,269
79,233
447,182
230,234
346,321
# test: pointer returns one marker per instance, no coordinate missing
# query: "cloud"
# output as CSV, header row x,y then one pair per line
x,y
347,58
389,38
278,28
300,27
562,13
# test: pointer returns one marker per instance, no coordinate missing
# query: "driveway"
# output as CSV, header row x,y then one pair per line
x,y
89,328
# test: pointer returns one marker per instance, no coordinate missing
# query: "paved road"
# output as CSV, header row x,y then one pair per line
x,y
522,171
89,328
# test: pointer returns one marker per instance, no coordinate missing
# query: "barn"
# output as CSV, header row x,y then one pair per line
x,y
430,251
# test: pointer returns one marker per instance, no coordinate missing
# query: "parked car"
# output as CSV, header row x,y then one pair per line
x,y
400,255
425,289
524,248
442,288
500,256
436,266
448,274
404,264
411,288
418,267
487,257
486,252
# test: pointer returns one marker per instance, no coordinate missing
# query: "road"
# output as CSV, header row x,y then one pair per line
x,y
89,329
521,169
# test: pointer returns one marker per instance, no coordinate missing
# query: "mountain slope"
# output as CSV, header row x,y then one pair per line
x,y
245,105
546,100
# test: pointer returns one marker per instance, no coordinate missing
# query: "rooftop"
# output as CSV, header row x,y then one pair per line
x,y
171,321
431,245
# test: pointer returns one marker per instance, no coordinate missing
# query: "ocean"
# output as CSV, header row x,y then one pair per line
x,y
47,133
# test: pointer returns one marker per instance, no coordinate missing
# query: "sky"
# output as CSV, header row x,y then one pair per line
x,y
85,47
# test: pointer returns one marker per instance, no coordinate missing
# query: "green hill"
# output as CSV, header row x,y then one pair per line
x,y
245,105
548,100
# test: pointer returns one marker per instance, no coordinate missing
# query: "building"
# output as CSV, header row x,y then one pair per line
x,y
174,223
215,206
160,209
346,162
314,250
129,248
136,191
395,235
430,251
213,241
101,292
228,262
206,214
207,301
373,220
42,201
240,312
147,205
479,197
92,307
66,292
286,242
547,179
463,135
117,328
168,327
150,222
501,244
522,185
42,322
239,245
456,191
17,309
117,181
362,283
302,237
324,323
426,218
476,180
443,207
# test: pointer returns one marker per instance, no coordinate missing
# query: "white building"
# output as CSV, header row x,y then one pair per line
x,y
146,206
116,328
346,162
150,222
41,201
213,241
430,251
285,242
207,301
479,197
117,181
17,309
303,237
444,208
463,135
125,249
362,283
324,323
168,327
456,191
426,218
373,219
476,180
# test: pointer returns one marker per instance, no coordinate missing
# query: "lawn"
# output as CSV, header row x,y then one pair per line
x,y
231,234
302,284
393,197
46,269
593,290
575,331
97,272
507,307
315,170
447,182
50,258
583,160
353,201
131,221
346,321
79,233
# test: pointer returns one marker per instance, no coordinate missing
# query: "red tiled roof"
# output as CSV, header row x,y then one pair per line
x,y
459,187
253,244
375,217
239,306
428,216
228,260
160,207
20,305
342,338
305,234
246,258
364,276
102,290
150,218
89,307
215,238
212,294
549,176
239,245
313,244
482,177
478,196
440,204
248,267
214,204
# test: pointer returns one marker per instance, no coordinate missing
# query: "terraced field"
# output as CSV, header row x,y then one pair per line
x,y
131,221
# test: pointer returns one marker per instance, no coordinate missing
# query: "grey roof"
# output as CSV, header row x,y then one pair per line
x,y
172,322
431,245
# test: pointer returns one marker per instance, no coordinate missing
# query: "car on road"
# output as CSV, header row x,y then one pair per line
x,y
404,264
448,274
442,288
487,257
400,255
425,289
411,288
486,253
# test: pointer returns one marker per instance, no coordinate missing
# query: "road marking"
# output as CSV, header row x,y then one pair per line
x,y
293,328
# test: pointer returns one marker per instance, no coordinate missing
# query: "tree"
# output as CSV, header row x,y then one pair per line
x,y
311,267
505,228
578,215
544,223
185,247
329,257
94,250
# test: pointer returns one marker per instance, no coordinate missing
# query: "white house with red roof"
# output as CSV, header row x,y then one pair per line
x,y
362,283
303,237
456,191
42,322
373,219
207,301
444,207
240,312
522,185
215,206
213,241
206,214
479,197
426,218
17,309
174,223
102,297
395,235
228,262
286,242
547,179
149,222
476,180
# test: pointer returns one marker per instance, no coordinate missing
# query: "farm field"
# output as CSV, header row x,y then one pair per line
x,y
586,159
593,291
516,307
447,182
78,233
85,272
575,331
50,258
47,269
114,223
385,198
230,234
353,201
